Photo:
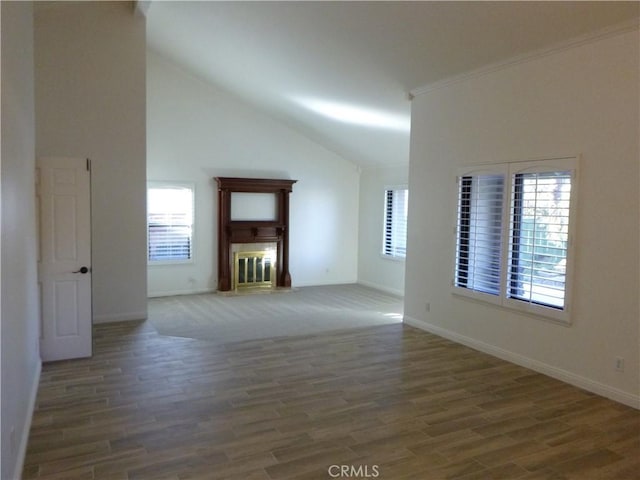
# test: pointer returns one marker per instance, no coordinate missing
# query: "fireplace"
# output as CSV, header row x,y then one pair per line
x,y
253,212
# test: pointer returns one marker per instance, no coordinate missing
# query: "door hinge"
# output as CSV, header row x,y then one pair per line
x,y
88,164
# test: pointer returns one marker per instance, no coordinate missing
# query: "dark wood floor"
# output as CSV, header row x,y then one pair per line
x,y
402,403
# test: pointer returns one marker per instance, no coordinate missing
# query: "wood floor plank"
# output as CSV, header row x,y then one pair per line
x,y
149,406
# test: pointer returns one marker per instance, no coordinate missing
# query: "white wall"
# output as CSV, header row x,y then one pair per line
x,y
90,102
20,336
375,270
581,100
196,131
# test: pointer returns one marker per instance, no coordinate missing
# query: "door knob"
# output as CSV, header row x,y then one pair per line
x,y
82,270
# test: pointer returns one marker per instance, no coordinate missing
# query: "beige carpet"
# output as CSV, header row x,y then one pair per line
x,y
302,311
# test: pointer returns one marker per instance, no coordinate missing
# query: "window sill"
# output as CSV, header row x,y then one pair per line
x,y
164,263
540,312
392,258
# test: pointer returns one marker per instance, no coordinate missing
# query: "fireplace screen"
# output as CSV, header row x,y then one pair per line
x,y
253,269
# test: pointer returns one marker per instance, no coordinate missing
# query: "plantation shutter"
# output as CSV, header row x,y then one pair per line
x,y
479,233
395,222
539,232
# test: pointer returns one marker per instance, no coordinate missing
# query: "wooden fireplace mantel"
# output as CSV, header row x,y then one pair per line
x,y
253,231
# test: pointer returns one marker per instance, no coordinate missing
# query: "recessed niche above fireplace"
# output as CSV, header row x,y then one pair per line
x,y
254,206
253,211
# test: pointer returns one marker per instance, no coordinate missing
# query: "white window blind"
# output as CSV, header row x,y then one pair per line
x,y
479,238
539,235
169,223
395,222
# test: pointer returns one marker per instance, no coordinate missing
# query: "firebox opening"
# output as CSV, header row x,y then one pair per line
x,y
253,270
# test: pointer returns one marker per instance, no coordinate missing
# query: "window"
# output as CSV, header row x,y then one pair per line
x,y
539,236
396,202
513,235
170,223
480,233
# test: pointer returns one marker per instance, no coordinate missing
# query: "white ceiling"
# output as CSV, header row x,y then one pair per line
x,y
321,66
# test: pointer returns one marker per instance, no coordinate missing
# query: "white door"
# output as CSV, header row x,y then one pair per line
x,y
64,273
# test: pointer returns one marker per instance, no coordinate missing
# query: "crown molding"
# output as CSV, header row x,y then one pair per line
x,y
601,34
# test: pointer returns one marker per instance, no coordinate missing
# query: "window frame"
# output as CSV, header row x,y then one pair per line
x,y
504,299
155,184
385,226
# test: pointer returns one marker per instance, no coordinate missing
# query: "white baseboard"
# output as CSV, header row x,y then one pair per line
x,y
171,293
540,367
24,438
120,317
392,291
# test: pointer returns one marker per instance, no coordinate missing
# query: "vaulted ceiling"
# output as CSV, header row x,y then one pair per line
x,y
340,72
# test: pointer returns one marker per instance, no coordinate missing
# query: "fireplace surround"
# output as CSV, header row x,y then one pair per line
x,y
241,229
